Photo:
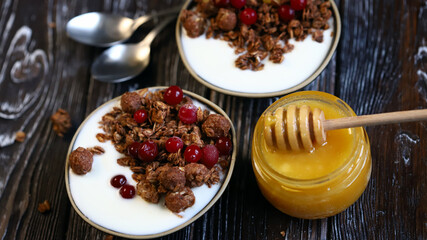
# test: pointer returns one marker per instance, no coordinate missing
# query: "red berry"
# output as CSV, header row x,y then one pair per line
x,y
133,149
286,13
238,3
298,4
140,116
210,156
148,151
188,113
173,144
173,95
127,191
224,145
221,3
248,16
118,181
193,153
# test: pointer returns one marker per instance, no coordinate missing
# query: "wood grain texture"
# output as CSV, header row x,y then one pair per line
x,y
380,65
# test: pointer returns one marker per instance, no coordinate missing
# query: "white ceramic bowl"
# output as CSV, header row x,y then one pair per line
x,y
211,62
99,204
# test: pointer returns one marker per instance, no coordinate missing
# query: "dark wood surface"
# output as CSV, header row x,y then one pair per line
x,y
380,65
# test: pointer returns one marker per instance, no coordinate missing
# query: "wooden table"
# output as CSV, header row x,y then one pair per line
x,y
380,65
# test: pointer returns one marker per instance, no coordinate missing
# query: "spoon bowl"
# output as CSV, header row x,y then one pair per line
x,y
125,61
104,30
121,62
100,29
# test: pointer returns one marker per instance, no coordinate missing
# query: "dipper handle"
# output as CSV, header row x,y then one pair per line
x,y
296,128
376,119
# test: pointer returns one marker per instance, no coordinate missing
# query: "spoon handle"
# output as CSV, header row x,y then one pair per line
x,y
376,119
153,33
143,19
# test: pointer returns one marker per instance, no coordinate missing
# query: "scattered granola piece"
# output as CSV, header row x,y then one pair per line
x,y
44,207
216,126
20,136
101,137
61,122
226,19
109,237
193,23
147,191
81,161
130,102
317,36
196,174
283,233
179,201
172,179
97,150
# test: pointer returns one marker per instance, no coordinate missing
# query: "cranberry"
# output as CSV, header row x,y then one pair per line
x,y
127,191
221,3
173,95
188,113
193,153
224,145
298,4
148,151
118,181
238,3
140,116
173,144
210,156
286,13
248,16
133,149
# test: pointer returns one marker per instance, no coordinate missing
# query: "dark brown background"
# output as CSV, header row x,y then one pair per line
x,y
380,65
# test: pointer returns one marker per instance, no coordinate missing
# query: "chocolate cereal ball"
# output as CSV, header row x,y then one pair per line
x,y
216,126
81,161
173,179
226,19
179,201
193,23
130,102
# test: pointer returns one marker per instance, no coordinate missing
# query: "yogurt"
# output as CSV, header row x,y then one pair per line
x,y
214,61
102,204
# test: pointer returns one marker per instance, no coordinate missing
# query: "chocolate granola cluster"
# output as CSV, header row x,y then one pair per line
x,y
268,36
169,174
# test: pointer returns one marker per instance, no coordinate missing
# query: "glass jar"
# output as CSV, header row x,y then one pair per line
x,y
315,184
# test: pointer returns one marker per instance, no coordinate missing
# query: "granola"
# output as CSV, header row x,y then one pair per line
x,y
81,160
170,174
20,136
44,207
269,36
61,122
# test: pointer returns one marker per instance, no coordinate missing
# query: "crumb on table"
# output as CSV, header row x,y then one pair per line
x,y
108,237
61,122
20,136
283,233
44,207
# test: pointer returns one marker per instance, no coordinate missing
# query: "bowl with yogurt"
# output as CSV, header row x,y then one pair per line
x,y
259,49
149,203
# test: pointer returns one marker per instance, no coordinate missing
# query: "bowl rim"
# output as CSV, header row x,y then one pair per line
x,y
221,190
336,32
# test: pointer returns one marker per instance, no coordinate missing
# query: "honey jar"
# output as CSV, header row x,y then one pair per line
x,y
315,184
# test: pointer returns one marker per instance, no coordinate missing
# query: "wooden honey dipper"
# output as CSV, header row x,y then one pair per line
x,y
297,128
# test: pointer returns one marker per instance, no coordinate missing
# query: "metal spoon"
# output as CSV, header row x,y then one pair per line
x,y
104,30
124,61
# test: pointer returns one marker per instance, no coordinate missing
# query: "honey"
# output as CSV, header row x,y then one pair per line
x,y
320,183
